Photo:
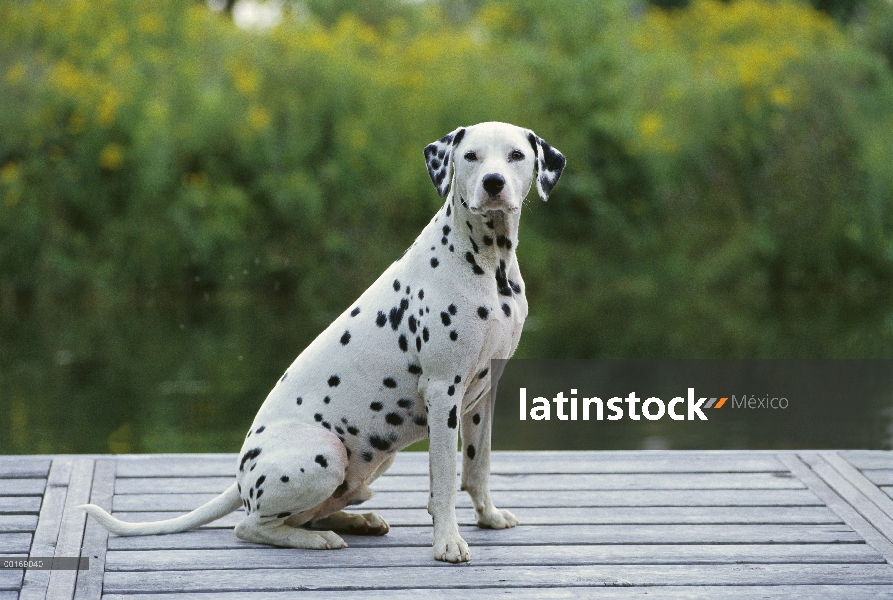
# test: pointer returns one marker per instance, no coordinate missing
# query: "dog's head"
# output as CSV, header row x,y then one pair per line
x,y
491,166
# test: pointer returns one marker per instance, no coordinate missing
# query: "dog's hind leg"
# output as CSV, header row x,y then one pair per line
x,y
286,469
356,523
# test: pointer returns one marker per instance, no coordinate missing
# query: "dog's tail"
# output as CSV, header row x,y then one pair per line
x,y
220,506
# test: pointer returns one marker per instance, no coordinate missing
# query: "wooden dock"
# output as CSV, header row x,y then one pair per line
x,y
661,524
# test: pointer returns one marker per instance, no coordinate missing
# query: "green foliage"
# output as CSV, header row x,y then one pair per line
x,y
728,191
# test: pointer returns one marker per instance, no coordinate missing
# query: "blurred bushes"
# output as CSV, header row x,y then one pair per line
x,y
728,193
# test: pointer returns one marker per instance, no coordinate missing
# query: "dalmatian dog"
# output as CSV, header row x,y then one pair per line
x,y
409,358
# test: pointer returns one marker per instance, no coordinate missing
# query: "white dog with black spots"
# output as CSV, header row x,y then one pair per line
x,y
409,359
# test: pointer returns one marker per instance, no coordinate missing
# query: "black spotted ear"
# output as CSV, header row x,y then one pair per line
x,y
549,165
438,156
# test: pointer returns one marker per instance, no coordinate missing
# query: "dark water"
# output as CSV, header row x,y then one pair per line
x,y
189,377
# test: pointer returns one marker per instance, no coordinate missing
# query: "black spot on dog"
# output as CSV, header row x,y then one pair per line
x,y
334,380
415,369
393,419
446,230
488,241
490,224
260,481
502,284
413,323
454,336
299,400
339,430
451,390
381,319
396,314
515,287
483,372
352,430
425,334
483,312
389,382
250,455
376,405
476,419
470,452
418,343
420,420
457,379
404,403
475,267
434,262
451,420
326,400
507,310
284,479
321,460
444,241
452,309
355,312
379,443
345,338
327,425
421,294
317,417
500,241
445,318
367,456
401,341
260,429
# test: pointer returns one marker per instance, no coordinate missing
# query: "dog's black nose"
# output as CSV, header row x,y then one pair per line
x,y
493,183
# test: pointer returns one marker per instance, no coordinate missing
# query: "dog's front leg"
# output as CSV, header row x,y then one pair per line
x,y
477,424
443,434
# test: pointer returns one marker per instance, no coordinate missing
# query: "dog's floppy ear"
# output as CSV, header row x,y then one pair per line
x,y
438,156
549,165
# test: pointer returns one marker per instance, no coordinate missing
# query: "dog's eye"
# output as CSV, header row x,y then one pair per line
x,y
471,156
517,155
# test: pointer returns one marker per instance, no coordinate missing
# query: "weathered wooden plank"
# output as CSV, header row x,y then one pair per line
x,y
89,583
22,487
580,516
15,543
536,535
554,483
11,579
879,476
286,558
849,492
24,466
71,533
513,499
475,577
19,505
416,463
857,479
840,506
868,459
744,592
34,585
11,523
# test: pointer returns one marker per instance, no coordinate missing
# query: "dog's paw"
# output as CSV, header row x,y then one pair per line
x,y
497,519
322,540
451,549
353,523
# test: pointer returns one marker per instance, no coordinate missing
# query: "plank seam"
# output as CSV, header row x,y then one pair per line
x,y
862,483
839,505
